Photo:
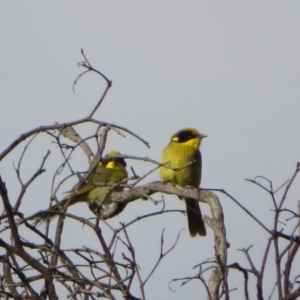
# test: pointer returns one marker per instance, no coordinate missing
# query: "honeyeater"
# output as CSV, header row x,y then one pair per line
x,y
111,170
183,150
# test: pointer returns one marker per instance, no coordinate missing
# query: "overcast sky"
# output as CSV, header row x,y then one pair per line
x,y
231,69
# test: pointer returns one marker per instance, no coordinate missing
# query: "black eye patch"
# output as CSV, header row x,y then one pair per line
x,y
120,160
184,136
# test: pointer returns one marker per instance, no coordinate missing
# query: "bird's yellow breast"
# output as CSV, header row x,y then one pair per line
x,y
178,155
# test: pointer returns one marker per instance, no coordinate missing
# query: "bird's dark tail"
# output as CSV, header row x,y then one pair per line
x,y
196,224
49,214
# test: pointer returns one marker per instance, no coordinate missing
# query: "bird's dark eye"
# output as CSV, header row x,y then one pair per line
x,y
120,160
184,136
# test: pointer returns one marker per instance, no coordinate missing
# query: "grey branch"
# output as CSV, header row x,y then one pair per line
x,y
219,273
216,222
122,198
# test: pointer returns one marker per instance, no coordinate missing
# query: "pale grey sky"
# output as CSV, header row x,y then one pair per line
x,y
229,68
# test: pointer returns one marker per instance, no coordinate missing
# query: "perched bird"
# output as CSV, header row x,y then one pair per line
x,y
183,150
111,170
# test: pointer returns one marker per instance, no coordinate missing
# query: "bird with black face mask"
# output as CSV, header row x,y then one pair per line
x,y
110,171
183,150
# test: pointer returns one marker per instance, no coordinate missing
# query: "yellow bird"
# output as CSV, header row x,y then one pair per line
x,y
111,170
183,150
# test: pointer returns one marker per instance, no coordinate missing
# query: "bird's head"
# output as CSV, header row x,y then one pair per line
x,y
188,136
114,160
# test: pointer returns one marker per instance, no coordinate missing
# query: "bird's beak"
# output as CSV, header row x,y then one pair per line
x,y
202,136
